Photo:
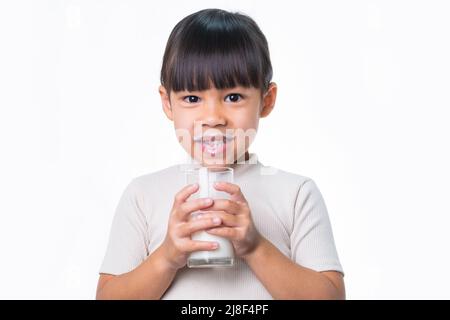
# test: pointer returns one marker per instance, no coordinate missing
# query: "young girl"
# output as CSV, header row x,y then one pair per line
x,y
216,77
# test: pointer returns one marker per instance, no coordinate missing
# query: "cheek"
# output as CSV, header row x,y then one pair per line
x,y
247,125
183,132
246,120
182,122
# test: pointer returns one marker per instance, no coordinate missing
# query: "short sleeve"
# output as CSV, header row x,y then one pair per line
x,y
128,238
312,242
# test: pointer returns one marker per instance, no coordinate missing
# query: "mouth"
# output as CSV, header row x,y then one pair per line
x,y
213,145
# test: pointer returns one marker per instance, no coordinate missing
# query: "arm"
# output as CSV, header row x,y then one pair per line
x,y
154,275
148,281
293,281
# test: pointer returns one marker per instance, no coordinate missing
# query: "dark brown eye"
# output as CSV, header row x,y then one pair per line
x,y
234,97
191,99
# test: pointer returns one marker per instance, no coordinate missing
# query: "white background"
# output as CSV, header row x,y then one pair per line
x,y
363,109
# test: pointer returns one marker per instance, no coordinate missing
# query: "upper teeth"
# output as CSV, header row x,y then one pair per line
x,y
213,140
213,143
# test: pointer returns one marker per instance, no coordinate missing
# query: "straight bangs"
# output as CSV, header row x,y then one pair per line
x,y
195,70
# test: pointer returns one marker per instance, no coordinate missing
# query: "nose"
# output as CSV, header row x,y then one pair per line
x,y
213,116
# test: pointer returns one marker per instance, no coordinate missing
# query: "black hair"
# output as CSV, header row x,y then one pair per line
x,y
217,47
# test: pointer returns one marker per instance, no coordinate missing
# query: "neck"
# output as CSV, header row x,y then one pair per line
x,y
247,157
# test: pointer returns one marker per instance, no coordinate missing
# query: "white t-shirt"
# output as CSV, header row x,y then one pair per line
x,y
287,209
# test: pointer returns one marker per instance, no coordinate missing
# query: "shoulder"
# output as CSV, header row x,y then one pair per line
x,y
156,180
299,188
286,178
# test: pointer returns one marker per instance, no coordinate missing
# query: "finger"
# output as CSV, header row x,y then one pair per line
x,y
229,206
233,189
228,220
185,193
194,245
226,232
188,207
193,226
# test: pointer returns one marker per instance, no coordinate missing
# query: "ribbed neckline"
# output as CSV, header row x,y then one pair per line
x,y
239,168
242,165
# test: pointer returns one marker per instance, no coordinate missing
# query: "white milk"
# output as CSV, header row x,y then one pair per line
x,y
224,254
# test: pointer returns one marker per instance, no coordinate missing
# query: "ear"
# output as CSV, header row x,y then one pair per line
x,y
165,100
269,98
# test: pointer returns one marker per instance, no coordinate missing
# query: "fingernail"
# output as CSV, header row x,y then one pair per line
x,y
216,220
193,186
215,245
207,201
217,184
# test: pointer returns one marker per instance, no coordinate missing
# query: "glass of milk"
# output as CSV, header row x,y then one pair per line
x,y
223,256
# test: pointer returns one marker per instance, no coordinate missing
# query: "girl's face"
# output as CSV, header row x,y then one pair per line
x,y
216,127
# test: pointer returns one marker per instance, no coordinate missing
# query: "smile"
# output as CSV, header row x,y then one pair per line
x,y
213,145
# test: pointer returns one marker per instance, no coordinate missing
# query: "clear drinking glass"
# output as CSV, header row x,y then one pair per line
x,y
223,256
